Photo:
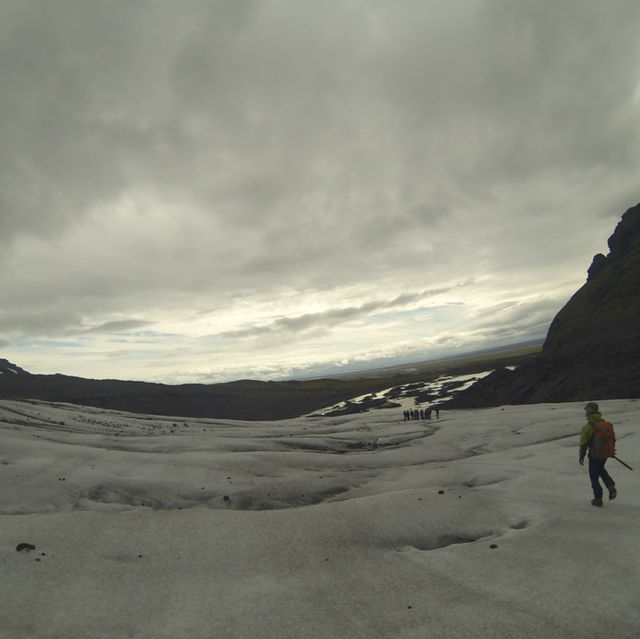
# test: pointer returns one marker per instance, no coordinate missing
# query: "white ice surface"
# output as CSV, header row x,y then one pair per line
x,y
353,527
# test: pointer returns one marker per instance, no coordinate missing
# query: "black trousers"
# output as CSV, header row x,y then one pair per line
x,y
597,471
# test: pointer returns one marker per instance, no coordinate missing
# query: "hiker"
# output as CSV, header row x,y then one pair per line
x,y
597,435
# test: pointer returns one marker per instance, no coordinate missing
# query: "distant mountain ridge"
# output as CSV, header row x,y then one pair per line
x,y
592,349
7,368
243,399
247,399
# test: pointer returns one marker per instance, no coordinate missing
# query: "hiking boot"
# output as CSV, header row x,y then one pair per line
x,y
596,502
613,493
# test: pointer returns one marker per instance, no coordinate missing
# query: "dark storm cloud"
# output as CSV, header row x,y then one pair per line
x,y
532,85
59,323
52,323
58,155
119,326
247,105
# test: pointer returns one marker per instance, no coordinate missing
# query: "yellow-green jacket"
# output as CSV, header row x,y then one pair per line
x,y
587,432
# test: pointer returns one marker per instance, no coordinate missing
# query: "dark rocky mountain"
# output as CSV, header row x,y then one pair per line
x,y
592,349
7,368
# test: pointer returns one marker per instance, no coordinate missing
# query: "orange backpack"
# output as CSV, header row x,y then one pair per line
x,y
603,441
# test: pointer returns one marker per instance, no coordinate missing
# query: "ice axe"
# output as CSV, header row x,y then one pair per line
x,y
619,460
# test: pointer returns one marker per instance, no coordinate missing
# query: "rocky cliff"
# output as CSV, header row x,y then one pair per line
x,y
592,349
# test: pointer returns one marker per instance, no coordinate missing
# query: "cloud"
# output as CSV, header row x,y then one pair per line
x,y
335,316
255,169
119,326
34,323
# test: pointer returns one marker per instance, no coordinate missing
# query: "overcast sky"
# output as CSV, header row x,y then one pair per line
x,y
204,190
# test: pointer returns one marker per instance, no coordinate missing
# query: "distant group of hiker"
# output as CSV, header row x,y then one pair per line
x,y
422,413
